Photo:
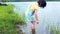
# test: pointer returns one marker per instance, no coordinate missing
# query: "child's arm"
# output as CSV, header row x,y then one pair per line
x,y
36,16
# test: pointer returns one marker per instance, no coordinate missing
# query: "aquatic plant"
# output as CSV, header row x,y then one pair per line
x,y
53,29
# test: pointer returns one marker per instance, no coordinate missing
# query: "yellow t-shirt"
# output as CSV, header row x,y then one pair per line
x,y
33,7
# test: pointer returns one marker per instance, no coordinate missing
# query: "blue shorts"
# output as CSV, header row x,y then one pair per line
x,y
32,18
29,17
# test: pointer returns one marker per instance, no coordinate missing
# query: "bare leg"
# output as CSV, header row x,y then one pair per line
x,y
33,27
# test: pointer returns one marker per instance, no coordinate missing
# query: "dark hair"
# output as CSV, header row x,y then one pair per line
x,y
42,3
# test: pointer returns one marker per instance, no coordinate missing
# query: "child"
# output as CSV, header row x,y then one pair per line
x,y
32,12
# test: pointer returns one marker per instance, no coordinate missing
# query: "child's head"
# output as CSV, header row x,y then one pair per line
x,y
42,3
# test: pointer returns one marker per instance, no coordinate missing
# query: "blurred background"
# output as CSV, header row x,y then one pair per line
x,y
23,0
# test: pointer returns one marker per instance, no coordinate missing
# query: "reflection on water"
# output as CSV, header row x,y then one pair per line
x,y
50,15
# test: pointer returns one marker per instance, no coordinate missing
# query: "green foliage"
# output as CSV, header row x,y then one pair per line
x,y
8,20
6,0
54,30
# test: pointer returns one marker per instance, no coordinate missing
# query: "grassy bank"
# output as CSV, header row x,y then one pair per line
x,y
8,19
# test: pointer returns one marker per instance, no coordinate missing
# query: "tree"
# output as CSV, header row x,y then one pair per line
x,y
6,0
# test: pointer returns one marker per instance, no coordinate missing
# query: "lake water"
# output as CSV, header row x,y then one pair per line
x,y
50,15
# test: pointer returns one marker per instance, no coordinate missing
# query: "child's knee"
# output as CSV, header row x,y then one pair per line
x,y
32,26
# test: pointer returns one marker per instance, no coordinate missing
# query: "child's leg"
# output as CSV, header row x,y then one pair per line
x,y
33,27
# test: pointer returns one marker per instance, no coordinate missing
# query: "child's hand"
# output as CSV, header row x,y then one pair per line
x,y
37,22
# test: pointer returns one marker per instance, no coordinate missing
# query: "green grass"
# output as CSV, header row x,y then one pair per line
x,y
8,19
53,29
